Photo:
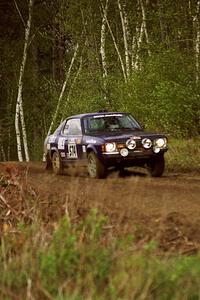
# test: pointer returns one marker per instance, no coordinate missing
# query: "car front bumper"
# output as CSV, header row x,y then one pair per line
x,y
134,157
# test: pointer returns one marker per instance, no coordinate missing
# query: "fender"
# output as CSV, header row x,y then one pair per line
x,y
91,147
96,149
53,149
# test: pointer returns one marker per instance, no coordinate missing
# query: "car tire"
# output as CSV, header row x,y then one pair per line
x,y
156,166
96,168
47,162
56,164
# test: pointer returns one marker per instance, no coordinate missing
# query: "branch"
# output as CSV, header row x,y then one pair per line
x,y
19,12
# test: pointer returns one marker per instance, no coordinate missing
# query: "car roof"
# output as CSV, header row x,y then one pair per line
x,y
80,116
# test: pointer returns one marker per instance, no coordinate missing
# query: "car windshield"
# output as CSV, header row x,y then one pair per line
x,y
110,122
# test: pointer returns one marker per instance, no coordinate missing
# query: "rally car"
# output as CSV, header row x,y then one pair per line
x,y
104,140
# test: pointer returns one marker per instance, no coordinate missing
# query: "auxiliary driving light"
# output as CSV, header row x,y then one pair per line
x,y
156,149
131,144
124,152
161,143
147,143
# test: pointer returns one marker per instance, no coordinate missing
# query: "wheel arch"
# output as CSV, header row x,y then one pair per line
x,y
91,148
54,149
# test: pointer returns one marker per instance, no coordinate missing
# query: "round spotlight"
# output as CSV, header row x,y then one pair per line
x,y
147,143
124,152
161,143
156,149
131,144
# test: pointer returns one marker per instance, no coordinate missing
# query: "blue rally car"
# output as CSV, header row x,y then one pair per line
x,y
103,140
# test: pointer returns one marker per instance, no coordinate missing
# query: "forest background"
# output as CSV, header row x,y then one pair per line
x,y
64,57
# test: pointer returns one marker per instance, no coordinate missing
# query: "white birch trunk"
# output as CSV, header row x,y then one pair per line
x,y
145,26
63,89
125,33
103,41
136,46
102,49
24,136
116,47
17,129
19,115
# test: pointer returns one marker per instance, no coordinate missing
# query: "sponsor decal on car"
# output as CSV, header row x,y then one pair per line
x,y
72,151
91,141
111,115
62,154
78,141
61,143
52,139
71,140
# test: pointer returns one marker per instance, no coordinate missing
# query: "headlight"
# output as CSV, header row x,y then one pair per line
x,y
156,149
147,143
124,152
131,144
161,143
110,147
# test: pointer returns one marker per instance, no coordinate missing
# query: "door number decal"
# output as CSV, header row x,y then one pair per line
x,y
61,143
72,151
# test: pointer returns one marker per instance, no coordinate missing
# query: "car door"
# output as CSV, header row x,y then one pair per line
x,y
72,139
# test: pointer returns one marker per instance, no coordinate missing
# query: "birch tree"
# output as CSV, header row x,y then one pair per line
x,y
145,26
102,47
136,46
115,45
125,37
19,113
63,89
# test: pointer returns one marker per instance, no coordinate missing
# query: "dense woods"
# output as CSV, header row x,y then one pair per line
x,y
62,57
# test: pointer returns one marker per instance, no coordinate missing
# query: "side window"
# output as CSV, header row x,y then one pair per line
x,y
72,127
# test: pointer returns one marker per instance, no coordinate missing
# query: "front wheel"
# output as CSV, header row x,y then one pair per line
x,y
96,168
156,166
47,162
56,164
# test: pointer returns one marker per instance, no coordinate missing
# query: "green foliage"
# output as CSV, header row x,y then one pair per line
x,y
74,263
162,93
183,155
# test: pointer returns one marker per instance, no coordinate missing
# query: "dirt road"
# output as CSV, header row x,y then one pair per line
x,y
165,209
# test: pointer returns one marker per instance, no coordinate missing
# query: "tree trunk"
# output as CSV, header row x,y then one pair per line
x,y
71,87
19,104
145,26
125,33
136,45
17,129
102,49
3,153
116,47
63,89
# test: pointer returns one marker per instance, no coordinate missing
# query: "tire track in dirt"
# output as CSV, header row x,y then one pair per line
x,y
166,209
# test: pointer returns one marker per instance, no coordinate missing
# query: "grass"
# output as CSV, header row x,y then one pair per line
x,y
66,260
74,263
183,155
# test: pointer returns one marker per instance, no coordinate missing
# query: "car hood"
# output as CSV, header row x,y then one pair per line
x,y
121,136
